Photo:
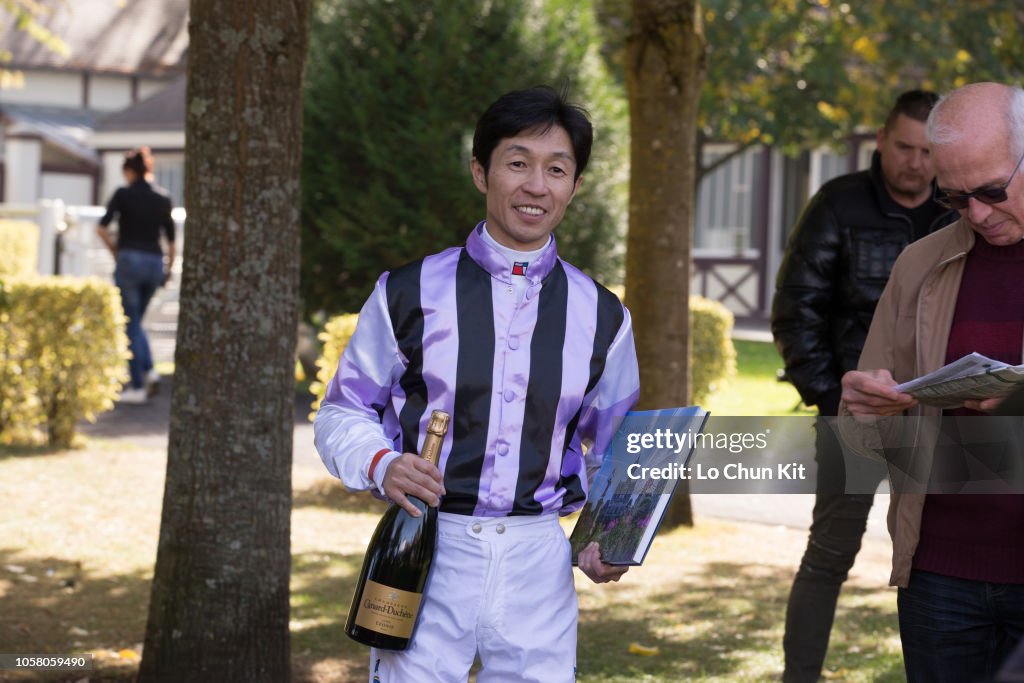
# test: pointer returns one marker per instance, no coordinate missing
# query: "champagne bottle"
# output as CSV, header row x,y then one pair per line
x,y
387,598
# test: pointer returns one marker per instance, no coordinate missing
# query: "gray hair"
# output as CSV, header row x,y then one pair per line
x,y
943,132
1015,120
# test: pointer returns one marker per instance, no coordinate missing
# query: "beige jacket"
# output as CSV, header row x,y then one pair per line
x,y
908,336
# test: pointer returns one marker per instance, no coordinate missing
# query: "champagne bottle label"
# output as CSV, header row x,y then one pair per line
x,y
388,610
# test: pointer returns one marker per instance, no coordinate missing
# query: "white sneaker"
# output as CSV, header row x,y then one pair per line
x,y
152,381
132,396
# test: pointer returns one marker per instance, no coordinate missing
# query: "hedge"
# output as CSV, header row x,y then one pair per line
x,y
63,354
335,336
713,356
19,248
713,353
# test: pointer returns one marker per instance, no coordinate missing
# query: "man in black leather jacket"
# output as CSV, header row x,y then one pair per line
x,y
835,268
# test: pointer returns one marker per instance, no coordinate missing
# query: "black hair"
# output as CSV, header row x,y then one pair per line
x,y
139,161
533,108
916,104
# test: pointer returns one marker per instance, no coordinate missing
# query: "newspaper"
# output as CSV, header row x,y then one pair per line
x,y
972,377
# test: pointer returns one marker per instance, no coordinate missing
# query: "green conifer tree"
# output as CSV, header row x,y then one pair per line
x,y
393,93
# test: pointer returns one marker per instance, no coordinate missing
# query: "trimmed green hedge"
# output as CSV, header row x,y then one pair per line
x,y
335,336
63,354
713,356
19,248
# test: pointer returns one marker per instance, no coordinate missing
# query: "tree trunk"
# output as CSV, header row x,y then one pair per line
x,y
665,65
219,603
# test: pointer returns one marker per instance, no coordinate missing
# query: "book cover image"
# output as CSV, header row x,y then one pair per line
x,y
623,510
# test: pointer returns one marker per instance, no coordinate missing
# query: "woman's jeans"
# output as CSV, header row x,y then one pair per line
x,y
138,275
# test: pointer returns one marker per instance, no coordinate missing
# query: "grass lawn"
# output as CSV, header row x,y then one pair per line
x,y
78,533
755,390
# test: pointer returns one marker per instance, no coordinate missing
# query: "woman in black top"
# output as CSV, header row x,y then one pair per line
x,y
143,212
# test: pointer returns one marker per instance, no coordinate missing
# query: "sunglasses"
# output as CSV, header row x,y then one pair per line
x,y
985,195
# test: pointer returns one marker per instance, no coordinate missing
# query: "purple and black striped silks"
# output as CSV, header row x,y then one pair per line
x,y
526,384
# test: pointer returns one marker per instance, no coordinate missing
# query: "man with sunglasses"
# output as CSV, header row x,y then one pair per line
x,y
958,559
836,264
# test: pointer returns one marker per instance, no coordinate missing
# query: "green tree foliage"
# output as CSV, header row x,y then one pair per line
x,y
29,17
800,73
810,72
394,91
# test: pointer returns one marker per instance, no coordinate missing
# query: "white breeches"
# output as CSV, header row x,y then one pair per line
x,y
501,588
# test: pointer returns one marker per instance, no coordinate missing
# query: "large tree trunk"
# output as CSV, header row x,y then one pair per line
x,y
665,65
219,603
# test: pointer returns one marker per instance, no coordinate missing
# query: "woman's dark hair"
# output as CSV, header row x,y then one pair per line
x,y
140,161
534,108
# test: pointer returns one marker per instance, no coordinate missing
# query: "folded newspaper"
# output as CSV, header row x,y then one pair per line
x,y
971,377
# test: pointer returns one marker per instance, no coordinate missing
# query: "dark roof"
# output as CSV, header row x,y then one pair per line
x,y
163,111
144,37
65,128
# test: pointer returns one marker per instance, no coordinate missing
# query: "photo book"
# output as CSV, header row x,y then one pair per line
x,y
631,492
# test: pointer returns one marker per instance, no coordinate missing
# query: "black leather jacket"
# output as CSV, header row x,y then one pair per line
x,y
835,267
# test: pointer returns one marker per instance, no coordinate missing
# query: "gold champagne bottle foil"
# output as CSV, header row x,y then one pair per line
x,y
436,429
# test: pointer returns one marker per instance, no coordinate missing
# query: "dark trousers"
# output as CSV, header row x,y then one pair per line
x,y
838,525
958,630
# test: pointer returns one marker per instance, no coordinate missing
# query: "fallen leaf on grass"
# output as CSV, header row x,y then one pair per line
x,y
130,655
837,675
638,649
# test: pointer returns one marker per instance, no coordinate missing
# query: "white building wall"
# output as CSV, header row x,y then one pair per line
x,y
865,152
149,87
724,221
111,177
72,188
110,93
170,175
46,88
124,141
22,159
826,164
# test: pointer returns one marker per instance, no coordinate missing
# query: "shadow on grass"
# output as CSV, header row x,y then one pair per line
x,y
322,587
26,451
330,493
726,623
51,605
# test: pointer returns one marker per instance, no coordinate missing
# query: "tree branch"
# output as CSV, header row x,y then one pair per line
x,y
723,160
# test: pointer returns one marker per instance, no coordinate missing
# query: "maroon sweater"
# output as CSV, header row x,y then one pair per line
x,y
981,537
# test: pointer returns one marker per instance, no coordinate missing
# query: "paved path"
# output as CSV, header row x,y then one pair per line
x,y
146,426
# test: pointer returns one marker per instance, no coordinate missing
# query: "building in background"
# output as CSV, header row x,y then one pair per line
x,y
63,134
746,209
65,117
